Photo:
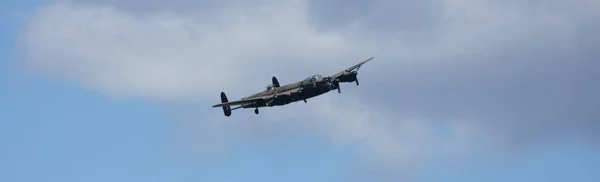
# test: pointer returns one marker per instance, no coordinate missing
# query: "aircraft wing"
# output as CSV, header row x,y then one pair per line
x,y
289,92
263,98
239,102
353,68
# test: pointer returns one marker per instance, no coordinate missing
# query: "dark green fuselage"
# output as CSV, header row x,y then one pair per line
x,y
301,90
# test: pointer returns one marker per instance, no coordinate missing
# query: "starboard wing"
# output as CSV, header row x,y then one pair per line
x,y
352,68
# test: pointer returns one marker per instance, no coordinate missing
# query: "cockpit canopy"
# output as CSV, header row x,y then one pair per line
x,y
313,78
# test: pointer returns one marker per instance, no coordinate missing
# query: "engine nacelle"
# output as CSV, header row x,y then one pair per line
x,y
348,77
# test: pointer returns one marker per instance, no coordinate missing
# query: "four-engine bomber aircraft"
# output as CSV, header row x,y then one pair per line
x,y
276,95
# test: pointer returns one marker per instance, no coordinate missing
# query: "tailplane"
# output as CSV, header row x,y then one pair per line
x,y
226,108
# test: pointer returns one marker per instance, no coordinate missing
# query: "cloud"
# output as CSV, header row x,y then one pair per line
x,y
168,56
450,78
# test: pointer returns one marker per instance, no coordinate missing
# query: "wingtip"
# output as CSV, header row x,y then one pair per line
x,y
367,60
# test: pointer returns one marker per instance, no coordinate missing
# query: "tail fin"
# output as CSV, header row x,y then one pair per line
x,y
227,108
275,82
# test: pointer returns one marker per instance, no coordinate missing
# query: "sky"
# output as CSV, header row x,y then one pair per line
x,y
459,90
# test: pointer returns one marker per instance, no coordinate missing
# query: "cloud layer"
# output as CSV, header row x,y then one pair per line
x,y
450,77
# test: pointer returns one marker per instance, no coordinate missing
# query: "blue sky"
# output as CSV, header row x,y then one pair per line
x,y
63,130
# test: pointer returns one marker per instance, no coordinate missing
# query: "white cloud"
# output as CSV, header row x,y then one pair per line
x,y
169,56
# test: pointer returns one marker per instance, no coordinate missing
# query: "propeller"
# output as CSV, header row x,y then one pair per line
x,y
337,84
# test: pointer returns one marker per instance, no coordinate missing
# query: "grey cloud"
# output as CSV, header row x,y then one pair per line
x,y
375,16
337,13
523,75
558,98
188,6
524,94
